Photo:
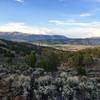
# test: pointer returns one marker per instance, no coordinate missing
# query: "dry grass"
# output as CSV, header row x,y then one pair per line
x,y
67,47
75,47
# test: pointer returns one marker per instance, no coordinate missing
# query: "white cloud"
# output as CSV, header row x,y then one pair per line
x,y
20,1
92,29
22,27
85,14
68,22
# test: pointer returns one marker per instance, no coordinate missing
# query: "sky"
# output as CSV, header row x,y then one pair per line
x,y
72,18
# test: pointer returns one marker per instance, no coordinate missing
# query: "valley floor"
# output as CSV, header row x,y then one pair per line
x,y
67,47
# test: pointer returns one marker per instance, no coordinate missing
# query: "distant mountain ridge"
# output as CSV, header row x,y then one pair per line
x,y
18,36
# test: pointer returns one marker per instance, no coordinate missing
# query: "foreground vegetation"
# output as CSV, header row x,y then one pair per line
x,y
15,55
30,72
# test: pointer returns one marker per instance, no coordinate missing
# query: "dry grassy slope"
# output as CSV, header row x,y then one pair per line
x,y
15,45
69,47
19,49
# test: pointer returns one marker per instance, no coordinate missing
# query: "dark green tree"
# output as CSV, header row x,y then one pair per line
x,y
30,59
81,70
87,59
9,60
75,60
49,60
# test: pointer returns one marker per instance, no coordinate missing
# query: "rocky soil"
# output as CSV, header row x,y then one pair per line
x,y
36,84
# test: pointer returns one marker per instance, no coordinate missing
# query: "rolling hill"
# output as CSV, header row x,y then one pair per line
x,y
51,39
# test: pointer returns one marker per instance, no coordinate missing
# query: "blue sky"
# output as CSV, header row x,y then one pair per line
x,y
73,18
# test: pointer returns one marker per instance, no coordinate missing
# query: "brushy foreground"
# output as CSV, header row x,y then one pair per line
x,y
36,84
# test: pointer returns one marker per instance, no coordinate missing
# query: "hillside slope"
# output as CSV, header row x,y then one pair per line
x,y
51,39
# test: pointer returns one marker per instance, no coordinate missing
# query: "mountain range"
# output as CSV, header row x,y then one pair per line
x,y
52,39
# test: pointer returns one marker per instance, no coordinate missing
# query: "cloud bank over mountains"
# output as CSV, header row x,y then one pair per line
x,y
77,29
72,18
